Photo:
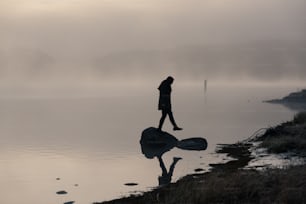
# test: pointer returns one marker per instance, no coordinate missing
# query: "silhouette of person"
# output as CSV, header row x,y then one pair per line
x,y
166,176
164,103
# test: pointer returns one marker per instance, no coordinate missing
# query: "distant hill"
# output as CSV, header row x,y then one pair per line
x,y
296,97
295,101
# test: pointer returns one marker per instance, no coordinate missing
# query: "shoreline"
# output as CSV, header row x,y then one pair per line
x,y
231,182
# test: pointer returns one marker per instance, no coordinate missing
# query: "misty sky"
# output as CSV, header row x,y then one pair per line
x,y
54,41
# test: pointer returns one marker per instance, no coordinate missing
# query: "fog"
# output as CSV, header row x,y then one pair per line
x,y
88,42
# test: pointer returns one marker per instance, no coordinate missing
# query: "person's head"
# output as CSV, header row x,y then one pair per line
x,y
170,79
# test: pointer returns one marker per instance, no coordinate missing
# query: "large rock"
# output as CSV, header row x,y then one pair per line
x,y
154,143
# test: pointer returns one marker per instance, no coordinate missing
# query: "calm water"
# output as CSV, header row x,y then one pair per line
x,y
92,140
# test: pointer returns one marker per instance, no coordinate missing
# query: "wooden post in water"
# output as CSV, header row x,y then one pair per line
x,y
205,91
205,86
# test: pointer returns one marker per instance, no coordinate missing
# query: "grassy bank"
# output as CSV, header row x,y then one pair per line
x,y
229,183
241,186
287,137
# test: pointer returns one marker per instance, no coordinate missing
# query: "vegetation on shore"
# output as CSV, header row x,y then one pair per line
x,y
229,183
241,186
287,137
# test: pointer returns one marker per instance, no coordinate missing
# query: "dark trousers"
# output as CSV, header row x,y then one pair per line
x,y
166,112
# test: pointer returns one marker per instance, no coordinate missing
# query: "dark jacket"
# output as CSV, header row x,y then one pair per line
x,y
164,95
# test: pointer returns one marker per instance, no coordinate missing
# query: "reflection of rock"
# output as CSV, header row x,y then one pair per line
x,y
196,143
155,143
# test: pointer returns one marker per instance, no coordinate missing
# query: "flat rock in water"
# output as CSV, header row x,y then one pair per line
x,y
153,136
199,170
61,192
131,184
69,202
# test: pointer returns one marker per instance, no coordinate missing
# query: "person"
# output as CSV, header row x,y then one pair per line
x,y
164,103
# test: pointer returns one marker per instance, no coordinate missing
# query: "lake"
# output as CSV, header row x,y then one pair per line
x,y
87,142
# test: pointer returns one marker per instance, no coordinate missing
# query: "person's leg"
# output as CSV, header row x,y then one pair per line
x,y
162,119
172,118
175,127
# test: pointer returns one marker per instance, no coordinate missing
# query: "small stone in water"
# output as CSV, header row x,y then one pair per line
x,y
58,178
198,170
131,184
70,202
61,192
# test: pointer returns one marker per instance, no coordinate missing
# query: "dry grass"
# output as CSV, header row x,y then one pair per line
x,y
242,186
300,118
285,143
288,137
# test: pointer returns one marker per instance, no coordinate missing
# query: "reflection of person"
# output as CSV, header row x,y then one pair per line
x,y
155,143
164,103
166,176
